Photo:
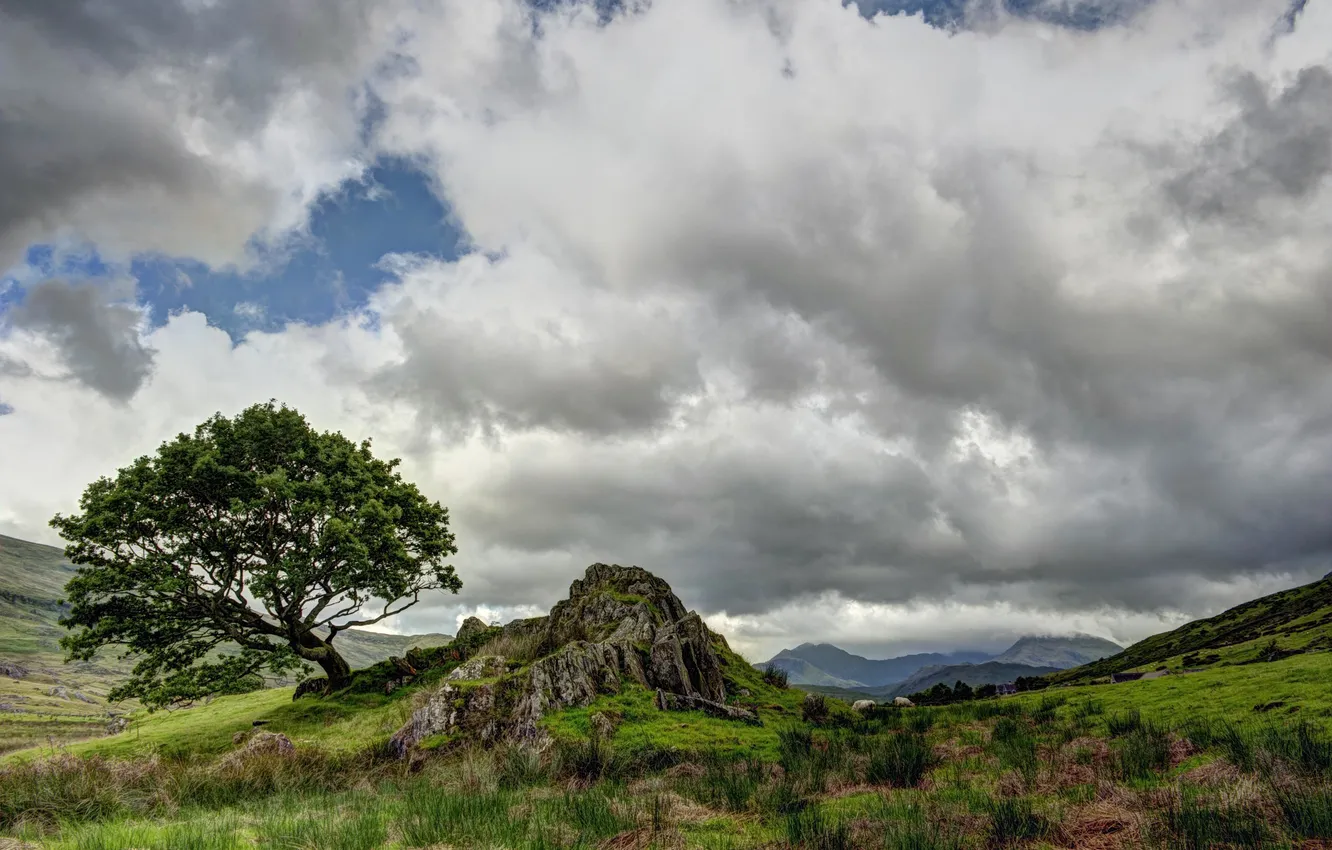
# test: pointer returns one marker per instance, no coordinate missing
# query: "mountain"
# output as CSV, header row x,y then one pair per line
x,y
986,673
828,665
1296,620
1058,652
69,700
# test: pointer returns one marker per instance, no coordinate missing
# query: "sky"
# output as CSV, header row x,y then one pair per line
x,y
902,326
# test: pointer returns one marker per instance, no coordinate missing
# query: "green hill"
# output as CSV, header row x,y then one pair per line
x,y
1290,622
42,697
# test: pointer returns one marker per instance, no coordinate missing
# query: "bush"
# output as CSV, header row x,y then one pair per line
x,y
777,677
814,709
900,760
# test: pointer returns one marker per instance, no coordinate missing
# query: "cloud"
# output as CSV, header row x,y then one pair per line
x,y
175,126
97,339
850,329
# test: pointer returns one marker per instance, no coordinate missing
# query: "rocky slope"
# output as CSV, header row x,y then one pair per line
x,y
619,626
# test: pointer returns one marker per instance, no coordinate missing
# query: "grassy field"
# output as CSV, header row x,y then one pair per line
x,y
1229,757
52,702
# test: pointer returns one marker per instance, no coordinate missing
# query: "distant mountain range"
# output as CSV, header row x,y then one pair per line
x,y
826,666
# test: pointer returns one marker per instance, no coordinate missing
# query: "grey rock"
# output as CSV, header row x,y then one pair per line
x,y
480,667
603,725
677,702
619,625
260,744
59,692
12,670
470,627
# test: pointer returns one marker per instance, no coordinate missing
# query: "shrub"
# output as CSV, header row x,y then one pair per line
x,y
901,760
777,677
814,709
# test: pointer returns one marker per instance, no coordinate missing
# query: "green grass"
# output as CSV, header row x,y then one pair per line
x,y
32,581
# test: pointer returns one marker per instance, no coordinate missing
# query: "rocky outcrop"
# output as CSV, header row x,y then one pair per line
x,y
470,627
619,626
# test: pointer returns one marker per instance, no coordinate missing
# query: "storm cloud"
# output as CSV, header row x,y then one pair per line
x,y
850,328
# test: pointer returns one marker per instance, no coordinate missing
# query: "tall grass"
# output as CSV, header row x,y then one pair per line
x,y
1014,820
900,760
521,648
1192,824
813,829
1013,743
1307,811
1142,753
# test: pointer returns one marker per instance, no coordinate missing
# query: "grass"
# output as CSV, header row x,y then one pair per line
x,y
1031,771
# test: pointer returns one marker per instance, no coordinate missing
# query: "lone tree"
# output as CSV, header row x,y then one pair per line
x,y
246,547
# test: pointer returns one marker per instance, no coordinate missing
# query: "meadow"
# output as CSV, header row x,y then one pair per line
x,y
1229,757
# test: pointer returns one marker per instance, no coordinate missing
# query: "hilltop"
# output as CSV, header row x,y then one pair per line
x,y
1285,623
41,696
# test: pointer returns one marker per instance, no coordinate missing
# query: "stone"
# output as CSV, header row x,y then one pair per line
x,y
863,705
603,725
677,702
12,670
260,744
480,667
619,625
470,628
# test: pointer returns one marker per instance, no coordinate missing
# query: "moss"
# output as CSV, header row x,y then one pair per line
x,y
635,599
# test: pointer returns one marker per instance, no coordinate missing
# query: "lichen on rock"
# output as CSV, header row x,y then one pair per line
x,y
619,625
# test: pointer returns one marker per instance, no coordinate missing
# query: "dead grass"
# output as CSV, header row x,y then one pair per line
x,y
1101,825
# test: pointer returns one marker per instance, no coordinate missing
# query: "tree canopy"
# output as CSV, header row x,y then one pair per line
x,y
244,548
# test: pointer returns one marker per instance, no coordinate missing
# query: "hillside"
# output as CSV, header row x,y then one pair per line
x,y
1296,620
41,696
827,665
1058,652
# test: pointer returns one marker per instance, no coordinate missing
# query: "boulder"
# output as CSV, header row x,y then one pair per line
x,y
603,725
260,744
677,702
12,670
863,705
619,625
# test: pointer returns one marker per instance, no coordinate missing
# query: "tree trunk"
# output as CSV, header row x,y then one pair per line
x,y
336,669
322,653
